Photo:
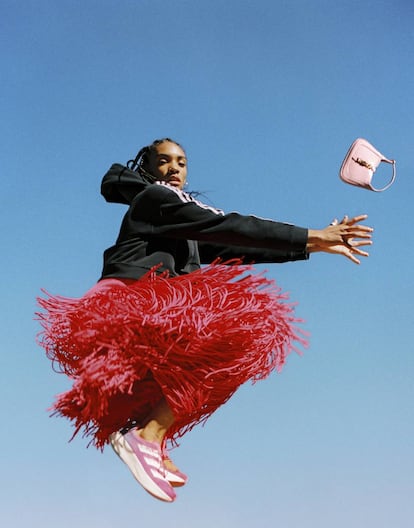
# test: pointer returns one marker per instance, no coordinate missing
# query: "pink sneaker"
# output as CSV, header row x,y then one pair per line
x,y
175,477
144,460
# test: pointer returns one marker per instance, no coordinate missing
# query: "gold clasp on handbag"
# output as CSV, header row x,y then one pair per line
x,y
363,163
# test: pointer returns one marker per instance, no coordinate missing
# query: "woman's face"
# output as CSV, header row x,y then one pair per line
x,y
168,163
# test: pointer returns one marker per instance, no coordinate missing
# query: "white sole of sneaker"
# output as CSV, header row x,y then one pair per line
x,y
127,455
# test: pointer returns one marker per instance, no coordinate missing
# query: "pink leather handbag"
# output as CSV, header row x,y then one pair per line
x,y
360,164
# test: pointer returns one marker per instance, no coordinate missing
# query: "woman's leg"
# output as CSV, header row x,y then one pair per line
x,y
157,423
141,451
155,428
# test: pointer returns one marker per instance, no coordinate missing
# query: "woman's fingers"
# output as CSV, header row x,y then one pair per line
x,y
357,243
352,252
354,220
359,231
360,252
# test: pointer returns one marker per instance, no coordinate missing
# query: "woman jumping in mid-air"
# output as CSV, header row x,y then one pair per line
x,y
159,343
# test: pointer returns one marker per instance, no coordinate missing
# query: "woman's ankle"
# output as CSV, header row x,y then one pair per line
x,y
152,432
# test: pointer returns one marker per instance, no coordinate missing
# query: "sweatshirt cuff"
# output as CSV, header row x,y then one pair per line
x,y
299,238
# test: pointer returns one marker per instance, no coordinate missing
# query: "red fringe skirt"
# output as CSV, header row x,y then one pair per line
x,y
193,339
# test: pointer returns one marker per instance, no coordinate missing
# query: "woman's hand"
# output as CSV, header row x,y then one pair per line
x,y
339,238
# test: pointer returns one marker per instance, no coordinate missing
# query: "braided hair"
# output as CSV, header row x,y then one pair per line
x,y
140,162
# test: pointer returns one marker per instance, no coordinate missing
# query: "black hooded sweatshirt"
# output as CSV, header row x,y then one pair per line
x,y
167,227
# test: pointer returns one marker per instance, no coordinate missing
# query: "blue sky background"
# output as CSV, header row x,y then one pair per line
x,y
266,96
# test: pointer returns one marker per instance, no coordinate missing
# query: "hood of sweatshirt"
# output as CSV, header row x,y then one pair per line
x,y
121,185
